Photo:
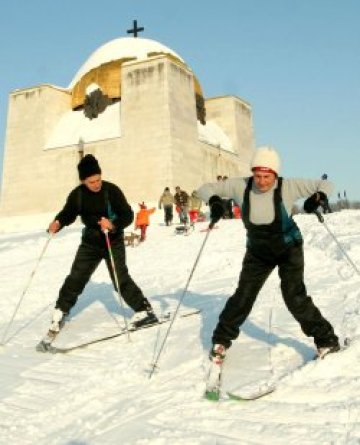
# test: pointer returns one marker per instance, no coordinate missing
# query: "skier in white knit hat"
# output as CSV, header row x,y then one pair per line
x,y
266,159
273,240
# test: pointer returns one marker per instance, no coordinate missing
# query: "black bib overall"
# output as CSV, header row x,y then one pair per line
x,y
269,245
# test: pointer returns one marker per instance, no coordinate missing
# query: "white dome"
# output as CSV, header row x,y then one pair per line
x,y
124,47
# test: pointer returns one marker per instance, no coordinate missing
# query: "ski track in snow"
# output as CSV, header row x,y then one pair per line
x,y
103,395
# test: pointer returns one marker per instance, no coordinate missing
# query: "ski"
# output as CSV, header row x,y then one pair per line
x,y
207,229
258,389
46,346
262,389
249,397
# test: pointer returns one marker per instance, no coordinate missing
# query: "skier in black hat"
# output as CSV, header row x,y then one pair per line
x,y
102,207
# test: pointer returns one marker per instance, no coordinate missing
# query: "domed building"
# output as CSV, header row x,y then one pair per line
x,y
138,107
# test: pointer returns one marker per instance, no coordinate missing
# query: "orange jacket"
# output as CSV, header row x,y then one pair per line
x,y
142,217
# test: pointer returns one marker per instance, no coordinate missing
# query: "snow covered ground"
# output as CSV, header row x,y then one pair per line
x,y
103,394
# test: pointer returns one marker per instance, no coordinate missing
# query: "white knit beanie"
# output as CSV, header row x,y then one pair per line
x,y
266,159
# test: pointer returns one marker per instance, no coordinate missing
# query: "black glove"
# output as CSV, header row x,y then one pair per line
x,y
314,201
217,210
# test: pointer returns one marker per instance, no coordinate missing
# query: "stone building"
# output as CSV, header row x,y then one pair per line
x,y
138,107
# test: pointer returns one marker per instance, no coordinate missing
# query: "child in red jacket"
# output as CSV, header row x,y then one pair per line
x,y
143,219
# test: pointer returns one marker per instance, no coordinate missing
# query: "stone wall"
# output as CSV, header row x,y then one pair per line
x,y
32,178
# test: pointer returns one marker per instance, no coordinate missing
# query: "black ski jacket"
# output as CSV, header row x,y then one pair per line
x,y
109,202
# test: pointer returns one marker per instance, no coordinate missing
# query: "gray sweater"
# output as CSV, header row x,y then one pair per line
x,y
261,203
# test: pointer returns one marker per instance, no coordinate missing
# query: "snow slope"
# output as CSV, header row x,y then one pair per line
x,y
103,394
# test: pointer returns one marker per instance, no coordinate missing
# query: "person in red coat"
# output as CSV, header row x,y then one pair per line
x,y
143,219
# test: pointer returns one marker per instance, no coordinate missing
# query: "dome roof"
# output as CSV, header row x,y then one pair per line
x,y
122,48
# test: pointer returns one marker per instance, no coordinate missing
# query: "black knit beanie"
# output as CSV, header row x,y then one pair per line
x,y
88,166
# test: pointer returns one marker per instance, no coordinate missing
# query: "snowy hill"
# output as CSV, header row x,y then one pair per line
x,y
103,394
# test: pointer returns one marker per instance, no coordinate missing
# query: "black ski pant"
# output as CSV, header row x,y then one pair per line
x,y
86,261
253,275
168,213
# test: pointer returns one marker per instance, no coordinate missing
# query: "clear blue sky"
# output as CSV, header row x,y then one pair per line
x,y
296,61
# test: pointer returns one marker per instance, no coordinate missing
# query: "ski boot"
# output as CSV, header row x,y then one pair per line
x,y
325,350
327,345
217,357
57,322
142,318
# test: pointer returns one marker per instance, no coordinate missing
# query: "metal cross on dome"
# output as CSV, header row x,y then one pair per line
x,y
135,30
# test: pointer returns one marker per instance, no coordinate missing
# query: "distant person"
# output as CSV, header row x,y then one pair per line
x,y
273,240
102,207
142,220
236,212
326,206
182,204
166,201
194,207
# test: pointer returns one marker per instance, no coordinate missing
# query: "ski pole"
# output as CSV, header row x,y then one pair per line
x,y
322,220
112,262
154,365
25,289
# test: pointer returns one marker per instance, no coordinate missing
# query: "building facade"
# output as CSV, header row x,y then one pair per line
x,y
140,110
